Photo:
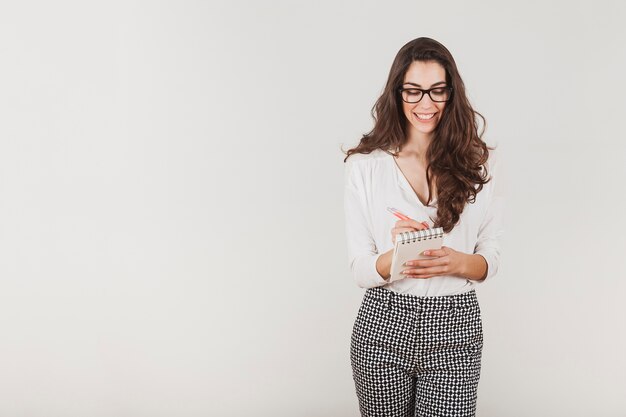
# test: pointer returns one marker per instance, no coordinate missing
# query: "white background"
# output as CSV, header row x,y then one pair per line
x,y
171,219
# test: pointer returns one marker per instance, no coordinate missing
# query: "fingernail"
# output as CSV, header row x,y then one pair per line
x,y
426,253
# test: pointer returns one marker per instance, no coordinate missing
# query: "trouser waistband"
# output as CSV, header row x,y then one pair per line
x,y
422,302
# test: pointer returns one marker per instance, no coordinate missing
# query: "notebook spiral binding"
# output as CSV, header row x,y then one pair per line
x,y
419,235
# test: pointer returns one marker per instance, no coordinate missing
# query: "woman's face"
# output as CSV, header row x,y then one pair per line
x,y
424,75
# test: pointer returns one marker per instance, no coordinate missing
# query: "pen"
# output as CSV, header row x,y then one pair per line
x,y
402,216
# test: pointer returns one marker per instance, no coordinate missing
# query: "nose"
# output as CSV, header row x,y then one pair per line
x,y
426,101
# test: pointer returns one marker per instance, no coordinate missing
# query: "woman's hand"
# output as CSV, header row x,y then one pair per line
x,y
383,263
446,261
406,226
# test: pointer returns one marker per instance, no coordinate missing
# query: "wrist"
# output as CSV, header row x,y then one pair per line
x,y
474,267
383,265
463,267
485,264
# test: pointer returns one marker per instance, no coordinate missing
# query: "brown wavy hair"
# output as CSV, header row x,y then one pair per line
x,y
456,154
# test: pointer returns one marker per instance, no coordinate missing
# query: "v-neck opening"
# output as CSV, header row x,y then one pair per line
x,y
405,181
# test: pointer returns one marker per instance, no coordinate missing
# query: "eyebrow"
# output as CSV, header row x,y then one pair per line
x,y
417,85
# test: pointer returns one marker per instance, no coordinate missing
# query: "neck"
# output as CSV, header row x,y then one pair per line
x,y
417,145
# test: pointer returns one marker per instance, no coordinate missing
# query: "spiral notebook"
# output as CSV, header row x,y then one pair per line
x,y
410,245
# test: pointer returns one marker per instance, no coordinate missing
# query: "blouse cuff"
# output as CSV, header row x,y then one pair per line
x,y
365,272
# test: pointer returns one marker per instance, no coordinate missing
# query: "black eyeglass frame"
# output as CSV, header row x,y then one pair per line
x,y
424,92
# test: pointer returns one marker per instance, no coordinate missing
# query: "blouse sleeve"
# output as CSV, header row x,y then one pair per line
x,y
490,231
362,251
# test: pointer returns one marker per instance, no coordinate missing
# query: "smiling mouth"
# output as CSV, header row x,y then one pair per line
x,y
426,116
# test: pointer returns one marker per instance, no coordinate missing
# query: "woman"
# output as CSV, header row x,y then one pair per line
x,y
417,342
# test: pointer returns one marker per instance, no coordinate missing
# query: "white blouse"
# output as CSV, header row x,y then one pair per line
x,y
374,182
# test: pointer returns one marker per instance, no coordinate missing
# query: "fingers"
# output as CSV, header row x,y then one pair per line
x,y
426,268
425,272
425,263
414,224
436,252
409,225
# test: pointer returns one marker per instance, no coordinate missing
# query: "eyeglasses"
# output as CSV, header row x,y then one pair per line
x,y
414,95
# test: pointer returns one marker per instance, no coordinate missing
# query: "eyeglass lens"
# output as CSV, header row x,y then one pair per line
x,y
413,95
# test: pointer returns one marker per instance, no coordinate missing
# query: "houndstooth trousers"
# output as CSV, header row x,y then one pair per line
x,y
417,356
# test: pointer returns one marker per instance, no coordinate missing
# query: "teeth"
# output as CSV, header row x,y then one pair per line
x,y
425,116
